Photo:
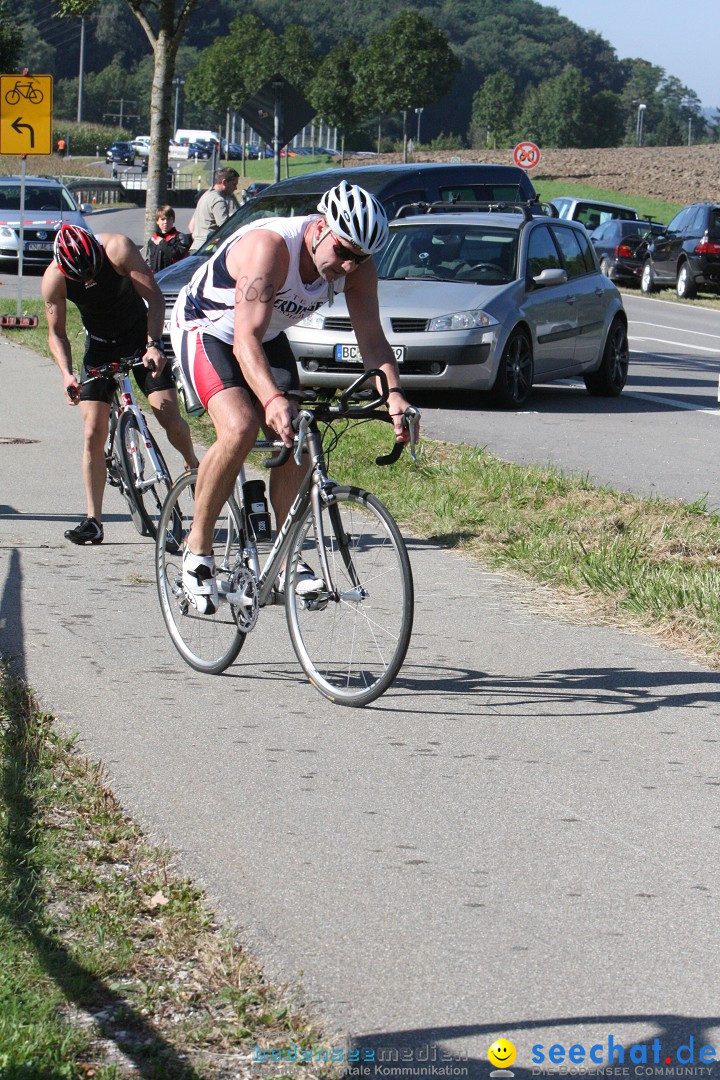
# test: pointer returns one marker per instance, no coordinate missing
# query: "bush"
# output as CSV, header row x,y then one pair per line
x,y
85,140
447,142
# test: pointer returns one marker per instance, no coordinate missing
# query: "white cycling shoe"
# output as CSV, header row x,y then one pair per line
x,y
199,582
306,581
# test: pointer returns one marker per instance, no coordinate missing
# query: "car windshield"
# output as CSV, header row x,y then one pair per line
x,y
36,198
286,205
468,253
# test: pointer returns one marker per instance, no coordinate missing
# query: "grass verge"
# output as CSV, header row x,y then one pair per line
x,y
647,563
112,965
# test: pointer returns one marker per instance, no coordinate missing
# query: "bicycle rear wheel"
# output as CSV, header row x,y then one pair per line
x,y
208,643
146,492
351,641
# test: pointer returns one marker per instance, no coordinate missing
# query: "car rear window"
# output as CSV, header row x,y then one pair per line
x,y
484,193
714,223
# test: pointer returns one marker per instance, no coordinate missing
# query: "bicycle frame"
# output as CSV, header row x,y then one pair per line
x,y
124,401
313,485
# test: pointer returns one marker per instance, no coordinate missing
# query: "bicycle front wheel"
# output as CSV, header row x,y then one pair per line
x,y
351,639
147,492
208,643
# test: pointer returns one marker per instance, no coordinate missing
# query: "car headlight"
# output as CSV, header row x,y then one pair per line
x,y
312,322
463,320
7,233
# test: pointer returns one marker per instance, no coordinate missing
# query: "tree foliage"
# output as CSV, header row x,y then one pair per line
x,y
410,64
164,23
494,112
334,88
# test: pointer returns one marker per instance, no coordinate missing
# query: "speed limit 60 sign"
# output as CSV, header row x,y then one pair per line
x,y
526,155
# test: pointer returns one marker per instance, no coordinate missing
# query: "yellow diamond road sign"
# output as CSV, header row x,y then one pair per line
x,y
26,114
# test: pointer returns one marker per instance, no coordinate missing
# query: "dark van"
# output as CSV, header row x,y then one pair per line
x,y
394,186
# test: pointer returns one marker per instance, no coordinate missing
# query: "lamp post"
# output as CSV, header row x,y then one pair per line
x,y
418,113
177,83
641,110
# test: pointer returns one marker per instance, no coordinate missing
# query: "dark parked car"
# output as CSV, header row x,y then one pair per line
x,y
687,255
621,247
200,150
252,191
120,153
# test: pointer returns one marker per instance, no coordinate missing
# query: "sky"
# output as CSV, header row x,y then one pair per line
x,y
676,36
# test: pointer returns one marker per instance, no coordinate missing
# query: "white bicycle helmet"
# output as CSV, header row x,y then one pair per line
x,y
354,214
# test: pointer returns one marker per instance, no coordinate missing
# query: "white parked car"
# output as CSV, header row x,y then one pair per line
x,y
48,205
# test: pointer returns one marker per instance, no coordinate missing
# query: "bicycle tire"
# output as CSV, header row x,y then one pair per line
x,y
351,642
208,643
148,503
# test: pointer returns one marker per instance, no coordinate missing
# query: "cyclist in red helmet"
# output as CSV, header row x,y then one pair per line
x,y
122,311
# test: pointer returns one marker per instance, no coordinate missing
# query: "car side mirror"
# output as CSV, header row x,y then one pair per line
x,y
551,276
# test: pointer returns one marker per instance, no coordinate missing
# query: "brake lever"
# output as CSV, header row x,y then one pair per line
x,y
302,429
412,415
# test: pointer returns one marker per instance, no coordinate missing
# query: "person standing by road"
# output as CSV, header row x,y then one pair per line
x,y
227,328
166,245
214,207
122,311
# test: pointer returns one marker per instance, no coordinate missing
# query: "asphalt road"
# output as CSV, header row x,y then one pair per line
x,y
519,840
660,437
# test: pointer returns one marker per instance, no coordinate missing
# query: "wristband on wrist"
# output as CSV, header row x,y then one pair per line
x,y
395,390
277,394
156,343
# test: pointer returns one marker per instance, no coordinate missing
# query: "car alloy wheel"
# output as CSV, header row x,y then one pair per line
x,y
610,377
514,379
647,280
685,287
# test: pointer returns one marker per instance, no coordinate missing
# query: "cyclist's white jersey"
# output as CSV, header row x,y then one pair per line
x,y
207,302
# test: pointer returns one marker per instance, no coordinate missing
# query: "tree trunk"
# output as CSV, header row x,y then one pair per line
x,y
160,113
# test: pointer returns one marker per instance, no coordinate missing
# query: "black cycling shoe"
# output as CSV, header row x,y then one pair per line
x,y
88,531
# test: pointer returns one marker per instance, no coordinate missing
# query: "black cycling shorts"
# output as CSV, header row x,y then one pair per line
x,y
211,365
103,352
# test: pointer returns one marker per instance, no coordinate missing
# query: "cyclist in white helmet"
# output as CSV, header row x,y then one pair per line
x,y
227,328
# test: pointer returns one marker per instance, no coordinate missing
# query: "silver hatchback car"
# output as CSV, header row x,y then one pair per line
x,y
48,205
481,301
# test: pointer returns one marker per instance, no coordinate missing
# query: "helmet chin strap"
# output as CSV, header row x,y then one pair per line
x,y
315,245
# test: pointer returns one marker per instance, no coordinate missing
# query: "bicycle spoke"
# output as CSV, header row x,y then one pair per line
x,y
352,640
209,643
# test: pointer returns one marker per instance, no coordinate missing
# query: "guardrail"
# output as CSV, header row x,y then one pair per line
x,y
129,185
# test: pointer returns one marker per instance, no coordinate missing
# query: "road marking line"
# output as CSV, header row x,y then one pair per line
x,y
679,329
675,344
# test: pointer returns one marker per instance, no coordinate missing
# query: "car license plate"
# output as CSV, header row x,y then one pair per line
x,y
350,354
166,327
38,247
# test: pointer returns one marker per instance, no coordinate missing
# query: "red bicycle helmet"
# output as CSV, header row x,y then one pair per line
x,y
78,254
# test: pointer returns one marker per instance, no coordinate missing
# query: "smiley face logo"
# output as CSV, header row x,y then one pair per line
x,y
502,1054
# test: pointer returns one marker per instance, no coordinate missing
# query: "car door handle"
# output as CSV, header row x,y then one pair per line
x,y
570,299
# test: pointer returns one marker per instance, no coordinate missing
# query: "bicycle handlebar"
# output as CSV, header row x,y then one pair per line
x,y
111,370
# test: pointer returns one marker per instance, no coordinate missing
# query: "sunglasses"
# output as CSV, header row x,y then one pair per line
x,y
345,254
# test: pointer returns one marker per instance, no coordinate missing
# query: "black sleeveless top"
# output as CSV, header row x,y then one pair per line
x,y
109,307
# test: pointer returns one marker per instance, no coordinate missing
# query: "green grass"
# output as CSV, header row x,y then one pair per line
x,y
110,963
658,209
651,563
